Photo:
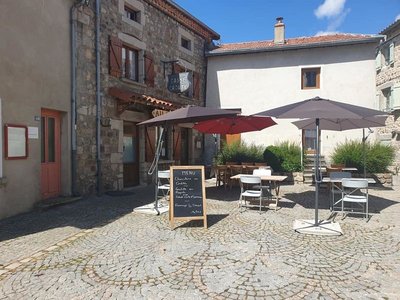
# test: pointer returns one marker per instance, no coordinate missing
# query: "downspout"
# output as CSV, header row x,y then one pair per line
x,y
98,102
74,189
1,144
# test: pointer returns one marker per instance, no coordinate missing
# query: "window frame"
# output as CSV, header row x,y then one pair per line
x,y
125,65
317,78
128,11
188,43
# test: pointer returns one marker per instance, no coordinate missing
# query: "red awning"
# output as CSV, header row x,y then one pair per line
x,y
126,97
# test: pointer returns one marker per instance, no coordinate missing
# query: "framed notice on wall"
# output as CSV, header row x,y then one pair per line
x,y
15,141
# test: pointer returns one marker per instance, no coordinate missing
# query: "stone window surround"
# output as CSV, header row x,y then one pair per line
x,y
136,5
188,36
138,45
319,79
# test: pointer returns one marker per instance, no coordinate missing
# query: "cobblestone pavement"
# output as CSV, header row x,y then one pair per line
x,y
98,249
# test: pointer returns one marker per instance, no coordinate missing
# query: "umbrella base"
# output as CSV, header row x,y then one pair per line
x,y
322,228
150,209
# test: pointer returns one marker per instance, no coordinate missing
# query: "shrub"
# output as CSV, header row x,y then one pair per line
x,y
285,157
240,152
378,157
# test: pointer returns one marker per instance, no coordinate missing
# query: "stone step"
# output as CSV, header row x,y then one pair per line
x,y
48,203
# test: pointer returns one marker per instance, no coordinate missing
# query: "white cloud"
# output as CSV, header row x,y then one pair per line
x,y
330,8
397,17
319,33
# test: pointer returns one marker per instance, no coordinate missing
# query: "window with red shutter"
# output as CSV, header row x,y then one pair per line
x,y
115,56
149,69
196,85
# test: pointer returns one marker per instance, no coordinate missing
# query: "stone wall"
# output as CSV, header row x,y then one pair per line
x,y
385,77
160,37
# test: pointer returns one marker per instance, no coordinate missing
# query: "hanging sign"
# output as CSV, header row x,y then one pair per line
x,y
188,194
179,82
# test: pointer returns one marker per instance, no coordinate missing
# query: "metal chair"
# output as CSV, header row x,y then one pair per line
x,y
250,180
266,188
336,187
163,184
355,191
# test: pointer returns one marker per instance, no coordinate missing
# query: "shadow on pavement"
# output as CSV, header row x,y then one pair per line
x,y
85,214
212,219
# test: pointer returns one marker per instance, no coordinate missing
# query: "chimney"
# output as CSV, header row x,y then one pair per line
x,y
279,31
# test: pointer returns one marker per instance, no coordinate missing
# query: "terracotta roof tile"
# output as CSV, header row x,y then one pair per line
x,y
300,41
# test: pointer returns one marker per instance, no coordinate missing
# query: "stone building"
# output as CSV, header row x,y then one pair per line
x,y
76,77
141,42
388,87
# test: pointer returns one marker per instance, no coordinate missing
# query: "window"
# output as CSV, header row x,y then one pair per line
x,y
130,64
185,43
132,14
388,54
310,78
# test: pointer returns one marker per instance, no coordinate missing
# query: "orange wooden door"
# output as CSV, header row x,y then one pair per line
x,y
50,154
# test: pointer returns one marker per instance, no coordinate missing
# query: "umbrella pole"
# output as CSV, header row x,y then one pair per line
x,y
364,156
317,174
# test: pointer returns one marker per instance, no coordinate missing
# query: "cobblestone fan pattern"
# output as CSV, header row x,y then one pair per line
x,y
242,255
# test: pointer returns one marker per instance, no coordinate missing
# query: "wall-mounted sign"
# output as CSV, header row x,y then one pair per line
x,y
179,82
158,112
16,141
33,133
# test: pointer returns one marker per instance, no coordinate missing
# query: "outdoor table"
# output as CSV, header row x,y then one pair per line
x,y
345,169
275,179
335,182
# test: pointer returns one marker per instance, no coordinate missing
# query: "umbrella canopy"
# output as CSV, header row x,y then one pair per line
x,y
188,114
234,124
320,108
342,124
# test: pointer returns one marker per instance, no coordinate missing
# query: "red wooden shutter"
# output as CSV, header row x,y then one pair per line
x,y
177,144
150,143
149,67
115,56
196,85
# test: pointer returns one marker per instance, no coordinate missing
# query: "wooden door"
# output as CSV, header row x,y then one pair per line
x,y
130,157
50,154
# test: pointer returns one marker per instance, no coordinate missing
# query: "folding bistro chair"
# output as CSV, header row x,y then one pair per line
x,y
355,191
336,187
163,184
254,193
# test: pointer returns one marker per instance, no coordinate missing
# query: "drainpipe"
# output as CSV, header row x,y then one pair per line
x,y
98,102
77,4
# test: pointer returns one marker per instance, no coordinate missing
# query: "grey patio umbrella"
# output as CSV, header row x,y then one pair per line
x,y
318,108
188,114
344,124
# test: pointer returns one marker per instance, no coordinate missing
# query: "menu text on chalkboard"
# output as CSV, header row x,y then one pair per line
x,y
187,193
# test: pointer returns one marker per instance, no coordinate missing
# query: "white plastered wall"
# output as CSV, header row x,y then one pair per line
x,y
257,82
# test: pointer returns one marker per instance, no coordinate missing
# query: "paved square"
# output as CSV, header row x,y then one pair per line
x,y
99,249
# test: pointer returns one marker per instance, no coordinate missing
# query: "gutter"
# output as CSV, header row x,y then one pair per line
x,y
374,39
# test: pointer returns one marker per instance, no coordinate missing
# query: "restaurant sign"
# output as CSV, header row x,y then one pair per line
x,y
179,82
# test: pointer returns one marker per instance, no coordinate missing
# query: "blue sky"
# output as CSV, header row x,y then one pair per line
x,y
252,20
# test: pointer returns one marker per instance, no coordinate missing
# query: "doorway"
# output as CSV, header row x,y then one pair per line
x,y
130,158
50,153
310,140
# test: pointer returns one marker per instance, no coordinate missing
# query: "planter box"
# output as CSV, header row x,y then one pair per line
x,y
385,179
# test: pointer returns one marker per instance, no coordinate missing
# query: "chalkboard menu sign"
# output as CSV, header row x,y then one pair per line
x,y
187,197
